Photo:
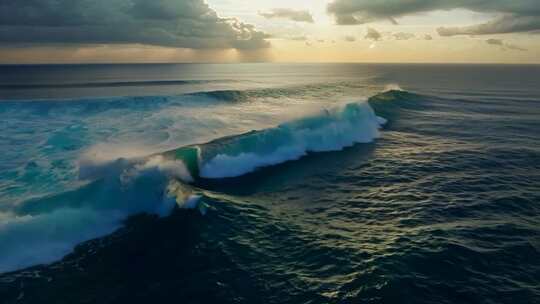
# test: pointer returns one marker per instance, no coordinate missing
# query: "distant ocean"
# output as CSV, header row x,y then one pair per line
x,y
270,183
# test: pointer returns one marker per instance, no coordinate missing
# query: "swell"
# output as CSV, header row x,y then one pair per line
x,y
303,91
392,100
20,86
394,103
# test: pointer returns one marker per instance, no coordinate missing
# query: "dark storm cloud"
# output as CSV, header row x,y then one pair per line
x,y
174,23
285,13
501,25
515,15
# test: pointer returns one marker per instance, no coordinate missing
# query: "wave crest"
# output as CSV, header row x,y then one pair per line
x,y
330,130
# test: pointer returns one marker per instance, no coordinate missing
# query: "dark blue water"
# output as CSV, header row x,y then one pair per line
x,y
322,204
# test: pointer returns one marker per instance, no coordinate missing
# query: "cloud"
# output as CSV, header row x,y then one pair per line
x,y
503,45
350,38
428,37
373,34
403,36
501,25
513,16
172,23
286,13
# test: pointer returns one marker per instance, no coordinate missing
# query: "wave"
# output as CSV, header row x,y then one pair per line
x,y
330,130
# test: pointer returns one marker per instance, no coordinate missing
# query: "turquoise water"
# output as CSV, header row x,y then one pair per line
x,y
270,183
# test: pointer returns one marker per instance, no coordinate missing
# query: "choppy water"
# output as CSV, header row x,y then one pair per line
x,y
360,184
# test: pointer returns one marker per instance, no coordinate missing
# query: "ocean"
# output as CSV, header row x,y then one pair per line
x,y
270,183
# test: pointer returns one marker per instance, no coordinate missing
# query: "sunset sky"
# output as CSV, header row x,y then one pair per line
x,y
480,31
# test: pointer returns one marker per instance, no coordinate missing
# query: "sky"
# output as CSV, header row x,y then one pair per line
x,y
443,31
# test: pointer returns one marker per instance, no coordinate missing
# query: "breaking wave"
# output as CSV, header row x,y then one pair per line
x,y
331,130
44,229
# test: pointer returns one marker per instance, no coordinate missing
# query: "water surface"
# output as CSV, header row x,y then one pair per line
x,y
302,183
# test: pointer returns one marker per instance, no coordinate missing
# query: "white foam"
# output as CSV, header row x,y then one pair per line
x,y
233,166
171,167
332,131
39,239
60,223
